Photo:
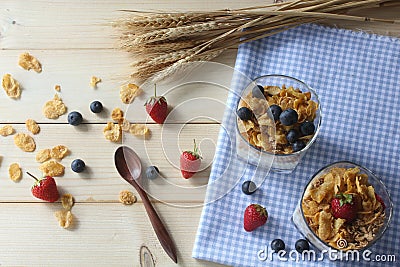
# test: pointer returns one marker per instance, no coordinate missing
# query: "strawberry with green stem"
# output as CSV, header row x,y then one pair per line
x,y
45,188
157,107
190,162
255,216
344,206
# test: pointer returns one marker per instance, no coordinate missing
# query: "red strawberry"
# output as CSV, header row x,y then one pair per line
x,y
190,162
254,216
344,207
157,107
380,200
45,189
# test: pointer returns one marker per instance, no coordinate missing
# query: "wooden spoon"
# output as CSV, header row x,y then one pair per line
x,y
129,167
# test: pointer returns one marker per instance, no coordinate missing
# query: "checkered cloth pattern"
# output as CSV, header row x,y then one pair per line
x,y
357,77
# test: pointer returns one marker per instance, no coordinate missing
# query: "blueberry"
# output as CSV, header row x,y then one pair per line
x,y
277,245
258,92
249,187
275,112
307,128
288,117
302,245
96,106
245,114
292,136
298,145
75,118
78,165
152,172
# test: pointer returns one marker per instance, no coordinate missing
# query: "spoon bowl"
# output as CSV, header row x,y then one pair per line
x,y
129,168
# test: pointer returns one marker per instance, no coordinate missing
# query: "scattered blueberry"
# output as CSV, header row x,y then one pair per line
x,y
258,92
302,245
298,145
96,106
78,165
75,118
277,245
288,117
152,172
307,128
245,114
292,136
249,187
275,111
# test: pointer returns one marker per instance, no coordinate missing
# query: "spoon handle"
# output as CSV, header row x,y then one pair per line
x,y
158,226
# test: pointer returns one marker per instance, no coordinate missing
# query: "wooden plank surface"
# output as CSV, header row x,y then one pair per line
x,y
74,40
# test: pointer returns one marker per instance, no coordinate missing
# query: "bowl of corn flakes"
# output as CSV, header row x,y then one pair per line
x,y
278,119
344,207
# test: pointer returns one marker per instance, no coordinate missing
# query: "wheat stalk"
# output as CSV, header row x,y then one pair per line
x,y
163,43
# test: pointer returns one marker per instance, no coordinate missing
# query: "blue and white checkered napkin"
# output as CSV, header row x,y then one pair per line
x,y
357,77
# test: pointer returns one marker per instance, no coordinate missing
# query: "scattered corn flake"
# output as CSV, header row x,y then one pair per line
x,y
58,152
54,108
125,125
27,61
25,142
112,132
67,201
52,168
15,172
117,114
139,129
11,86
64,217
32,126
43,155
126,197
128,92
6,130
94,81
57,88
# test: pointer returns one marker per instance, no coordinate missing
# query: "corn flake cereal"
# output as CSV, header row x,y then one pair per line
x,y
117,114
94,81
317,209
65,218
139,129
43,155
59,152
32,126
129,92
24,142
67,201
112,132
6,130
52,168
15,172
54,108
11,86
125,125
57,88
27,62
127,197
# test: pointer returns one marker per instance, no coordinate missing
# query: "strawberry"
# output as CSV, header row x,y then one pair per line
x,y
157,107
344,206
190,162
45,189
380,200
254,216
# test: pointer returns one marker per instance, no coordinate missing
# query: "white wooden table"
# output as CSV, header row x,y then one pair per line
x,y
74,41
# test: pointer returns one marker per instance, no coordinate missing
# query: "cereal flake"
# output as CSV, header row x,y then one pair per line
x,y
94,81
54,108
32,126
117,114
15,172
25,142
129,92
27,62
43,155
59,152
52,168
139,129
6,130
65,218
57,87
126,197
11,86
112,132
67,201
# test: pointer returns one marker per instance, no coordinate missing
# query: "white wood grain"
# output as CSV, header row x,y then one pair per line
x,y
103,235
